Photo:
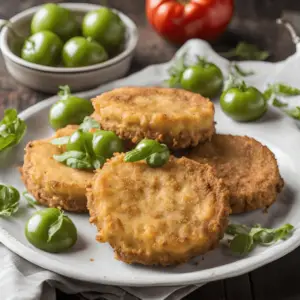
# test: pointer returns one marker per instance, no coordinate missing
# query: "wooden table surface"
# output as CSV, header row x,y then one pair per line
x,y
254,22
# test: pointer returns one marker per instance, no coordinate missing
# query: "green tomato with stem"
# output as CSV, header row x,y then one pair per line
x,y
243,103
43,48
50,230
80,51
69,109
204,78
57,19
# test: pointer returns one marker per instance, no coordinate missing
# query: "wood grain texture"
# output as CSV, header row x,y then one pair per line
x,y
254,22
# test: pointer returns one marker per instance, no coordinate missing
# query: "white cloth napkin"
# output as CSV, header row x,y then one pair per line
x,y
22,280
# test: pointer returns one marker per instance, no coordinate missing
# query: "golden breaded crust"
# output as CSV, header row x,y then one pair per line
x,y
158,215
248,168
50,182
175,117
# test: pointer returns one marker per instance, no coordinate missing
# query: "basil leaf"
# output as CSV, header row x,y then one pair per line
x,y
76,163
285,90
268,93
277,103
88,124
31,201
12,129
6,141
247,51
294,113
55,227
241,244
9,200
69,154
234,229
98,162
60,141
144,149
176,70
237,70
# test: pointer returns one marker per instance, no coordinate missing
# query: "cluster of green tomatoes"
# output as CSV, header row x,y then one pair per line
x,y
58,38
238,101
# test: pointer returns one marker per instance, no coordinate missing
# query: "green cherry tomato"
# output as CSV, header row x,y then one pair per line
x,y
205,79
106,143
105,27
78,140
69,109
158,159
43,48
243,104
79,52
50,231
57,19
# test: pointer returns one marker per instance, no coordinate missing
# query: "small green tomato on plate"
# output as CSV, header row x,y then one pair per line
x,y
243,103
50,230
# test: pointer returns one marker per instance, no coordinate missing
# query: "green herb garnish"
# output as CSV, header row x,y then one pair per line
x,y
31,201
60,141
12,129
280,89
247,51
245,238
56,226
176,71
294,112
236,70
75,159
9,200
277,103
88,124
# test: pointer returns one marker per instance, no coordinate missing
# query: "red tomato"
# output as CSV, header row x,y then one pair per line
x,y
180,20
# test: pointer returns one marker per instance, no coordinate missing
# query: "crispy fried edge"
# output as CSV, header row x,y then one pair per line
x,y
72,205
218,224
245,203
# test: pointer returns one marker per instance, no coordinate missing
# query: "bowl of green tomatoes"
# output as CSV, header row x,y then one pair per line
x,y
76,44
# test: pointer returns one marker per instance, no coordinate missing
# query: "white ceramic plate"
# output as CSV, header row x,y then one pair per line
x,y
275,130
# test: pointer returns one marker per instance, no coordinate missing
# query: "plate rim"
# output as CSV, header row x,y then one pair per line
x,y
174,279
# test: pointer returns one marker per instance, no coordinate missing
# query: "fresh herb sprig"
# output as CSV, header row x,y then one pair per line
x,y
245,238
56,226
246,51
276,91
237,71
31,201
176,70
9,200
87,125
12,129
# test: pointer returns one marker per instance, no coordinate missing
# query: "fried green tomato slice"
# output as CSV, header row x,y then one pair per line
x,y
51,183
158,216
175,117
248,168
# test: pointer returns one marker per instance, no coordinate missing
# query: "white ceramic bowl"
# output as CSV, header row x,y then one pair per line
x,y
47,79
